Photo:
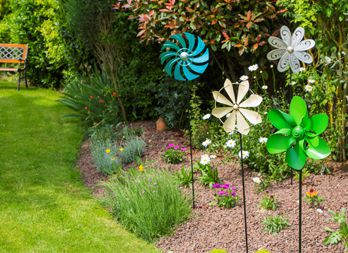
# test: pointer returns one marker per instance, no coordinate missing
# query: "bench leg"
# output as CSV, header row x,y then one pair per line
x,y
19,81
25,78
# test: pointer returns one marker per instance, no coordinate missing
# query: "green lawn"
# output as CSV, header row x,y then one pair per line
x,y
44,206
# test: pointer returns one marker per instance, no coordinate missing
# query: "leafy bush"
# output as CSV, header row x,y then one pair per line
x,y
93,99
209,175
184,177
105,153
341,234
174,154
269,203
275,224
133,149
148,203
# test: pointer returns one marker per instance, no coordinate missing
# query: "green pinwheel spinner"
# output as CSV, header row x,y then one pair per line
x,y
185,56
298,134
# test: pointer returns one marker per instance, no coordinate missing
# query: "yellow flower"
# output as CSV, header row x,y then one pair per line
x,y
121,149
141,168
312,193
107,151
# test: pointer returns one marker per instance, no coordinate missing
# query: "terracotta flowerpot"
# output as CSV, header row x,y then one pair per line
x,y
161,124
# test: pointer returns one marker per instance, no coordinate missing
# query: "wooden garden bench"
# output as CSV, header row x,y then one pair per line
x,y
15,54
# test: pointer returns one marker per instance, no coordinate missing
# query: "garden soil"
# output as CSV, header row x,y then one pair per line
x,y
213,227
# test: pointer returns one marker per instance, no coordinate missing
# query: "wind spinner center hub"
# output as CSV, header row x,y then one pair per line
x,y
298,132
290,49
235,107
184,56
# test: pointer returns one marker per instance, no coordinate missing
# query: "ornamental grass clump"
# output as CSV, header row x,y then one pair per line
x,y
174,154
149,203
226,195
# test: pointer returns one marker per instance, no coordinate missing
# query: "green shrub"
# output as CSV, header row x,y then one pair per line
x,y
148,203
209,175
269,203
133,149
184,177
341,234
275,224
174,154
105,153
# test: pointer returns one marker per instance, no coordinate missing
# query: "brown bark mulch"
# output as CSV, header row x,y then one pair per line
x,y
213,227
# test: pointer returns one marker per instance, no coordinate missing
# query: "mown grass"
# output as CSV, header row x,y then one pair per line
x,y
44,206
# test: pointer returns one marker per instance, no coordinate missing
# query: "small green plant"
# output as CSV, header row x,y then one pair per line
x,y
341,234
226,195
184,177
133,149
218,251
263,251
275,224
209,175
269,203
313,199
148,202
174,154
263,183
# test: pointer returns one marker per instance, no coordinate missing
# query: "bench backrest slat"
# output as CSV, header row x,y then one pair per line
x,y
13,53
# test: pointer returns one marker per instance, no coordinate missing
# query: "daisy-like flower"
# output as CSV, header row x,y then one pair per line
x,y
207,116
230,144
264,87
244,78
292,83
107,151
206,143
263,139
301,69
237,108
311,81
308,88
312,193
256,180
205,159
244,153
290,49
253,68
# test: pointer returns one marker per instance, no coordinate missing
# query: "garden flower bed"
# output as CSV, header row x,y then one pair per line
x,y
211,226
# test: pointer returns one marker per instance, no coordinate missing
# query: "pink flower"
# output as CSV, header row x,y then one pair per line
x,y
216,185
222,193
225,186
176,147
170,145
183,149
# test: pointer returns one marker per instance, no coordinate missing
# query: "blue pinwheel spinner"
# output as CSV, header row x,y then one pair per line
x,y
184,56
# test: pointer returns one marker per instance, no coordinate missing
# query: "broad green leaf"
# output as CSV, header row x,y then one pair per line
x,y
296,157
278,143
321,151
319,123
298,109
280,119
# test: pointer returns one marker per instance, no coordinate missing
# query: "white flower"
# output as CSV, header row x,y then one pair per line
x,y
301,69
253,67
293,83
230,144
264,87
205,159
244,153
212,156
311,81
207,116
263,139
320,211
206,143
290,49
271,66
230,133
308,88
256,180
244,78
260,71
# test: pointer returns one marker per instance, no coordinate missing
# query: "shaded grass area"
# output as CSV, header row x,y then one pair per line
x,y
44,206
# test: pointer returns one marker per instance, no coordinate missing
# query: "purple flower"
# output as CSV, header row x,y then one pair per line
x,y
225,186
233,188
176,147
183,149
233,194
216,185
222,193
170,145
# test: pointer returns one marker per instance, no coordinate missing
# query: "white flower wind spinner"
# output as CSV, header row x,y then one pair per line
x,y
290,49
236,111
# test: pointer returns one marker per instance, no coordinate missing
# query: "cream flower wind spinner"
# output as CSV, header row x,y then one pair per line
x,y
290,49
235,110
